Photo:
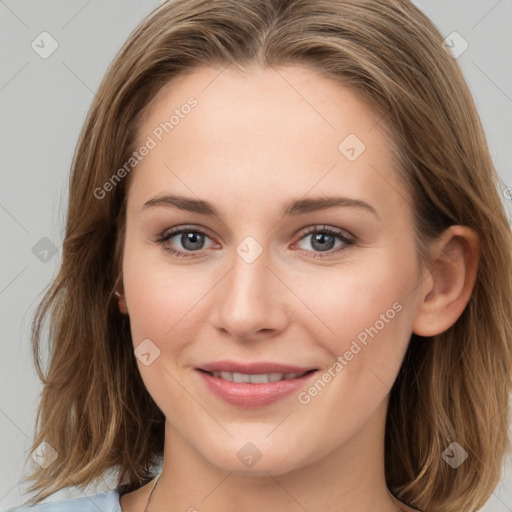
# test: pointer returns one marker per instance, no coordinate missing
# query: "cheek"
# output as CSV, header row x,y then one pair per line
x,y
159,306
157,293
362,302
163,305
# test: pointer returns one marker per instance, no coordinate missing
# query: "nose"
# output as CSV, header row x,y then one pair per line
x,y
252,301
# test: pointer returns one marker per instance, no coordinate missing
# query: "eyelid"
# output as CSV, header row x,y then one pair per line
x,y
186,227
177,230
305,231
325,227
347,241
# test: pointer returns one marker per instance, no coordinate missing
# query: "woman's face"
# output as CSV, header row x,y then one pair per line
x,y
255,285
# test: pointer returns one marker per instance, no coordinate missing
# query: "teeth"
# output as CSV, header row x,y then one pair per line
x,y
261,378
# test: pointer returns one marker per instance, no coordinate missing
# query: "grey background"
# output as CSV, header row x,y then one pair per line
x,y
43,103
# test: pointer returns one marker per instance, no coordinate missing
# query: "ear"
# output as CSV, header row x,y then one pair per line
x,y
119,292
446,291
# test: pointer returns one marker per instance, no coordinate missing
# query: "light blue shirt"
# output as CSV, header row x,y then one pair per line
x,y
107,501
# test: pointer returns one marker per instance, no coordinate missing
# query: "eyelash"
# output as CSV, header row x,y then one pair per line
x,y
162,239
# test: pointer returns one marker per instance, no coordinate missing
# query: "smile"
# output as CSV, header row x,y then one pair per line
x,y
253,390
260,378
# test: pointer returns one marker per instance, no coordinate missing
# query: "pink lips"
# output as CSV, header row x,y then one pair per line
x,y
252,368
253,394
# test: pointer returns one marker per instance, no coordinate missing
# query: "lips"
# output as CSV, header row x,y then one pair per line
x,y
253,368
259,378
253,384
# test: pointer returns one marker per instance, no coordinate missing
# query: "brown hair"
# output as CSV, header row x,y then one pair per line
x,y
95,411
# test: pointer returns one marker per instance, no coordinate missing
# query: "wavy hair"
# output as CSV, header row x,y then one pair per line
x,y
451,387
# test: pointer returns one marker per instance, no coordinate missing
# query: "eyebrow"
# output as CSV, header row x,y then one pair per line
x,y
295,207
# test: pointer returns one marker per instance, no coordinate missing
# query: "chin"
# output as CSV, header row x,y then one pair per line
x,y
248,459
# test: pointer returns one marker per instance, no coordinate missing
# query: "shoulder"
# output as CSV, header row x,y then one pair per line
x,y
103,501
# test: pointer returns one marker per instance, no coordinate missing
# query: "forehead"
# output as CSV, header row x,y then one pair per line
x,y
290,97
262,131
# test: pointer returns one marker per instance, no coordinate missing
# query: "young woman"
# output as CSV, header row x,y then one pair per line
x,y
287,274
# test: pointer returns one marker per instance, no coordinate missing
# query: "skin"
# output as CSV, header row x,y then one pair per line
x,y
255,141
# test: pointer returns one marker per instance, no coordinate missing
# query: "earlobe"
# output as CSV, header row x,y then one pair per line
x,y
448,288
122,302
